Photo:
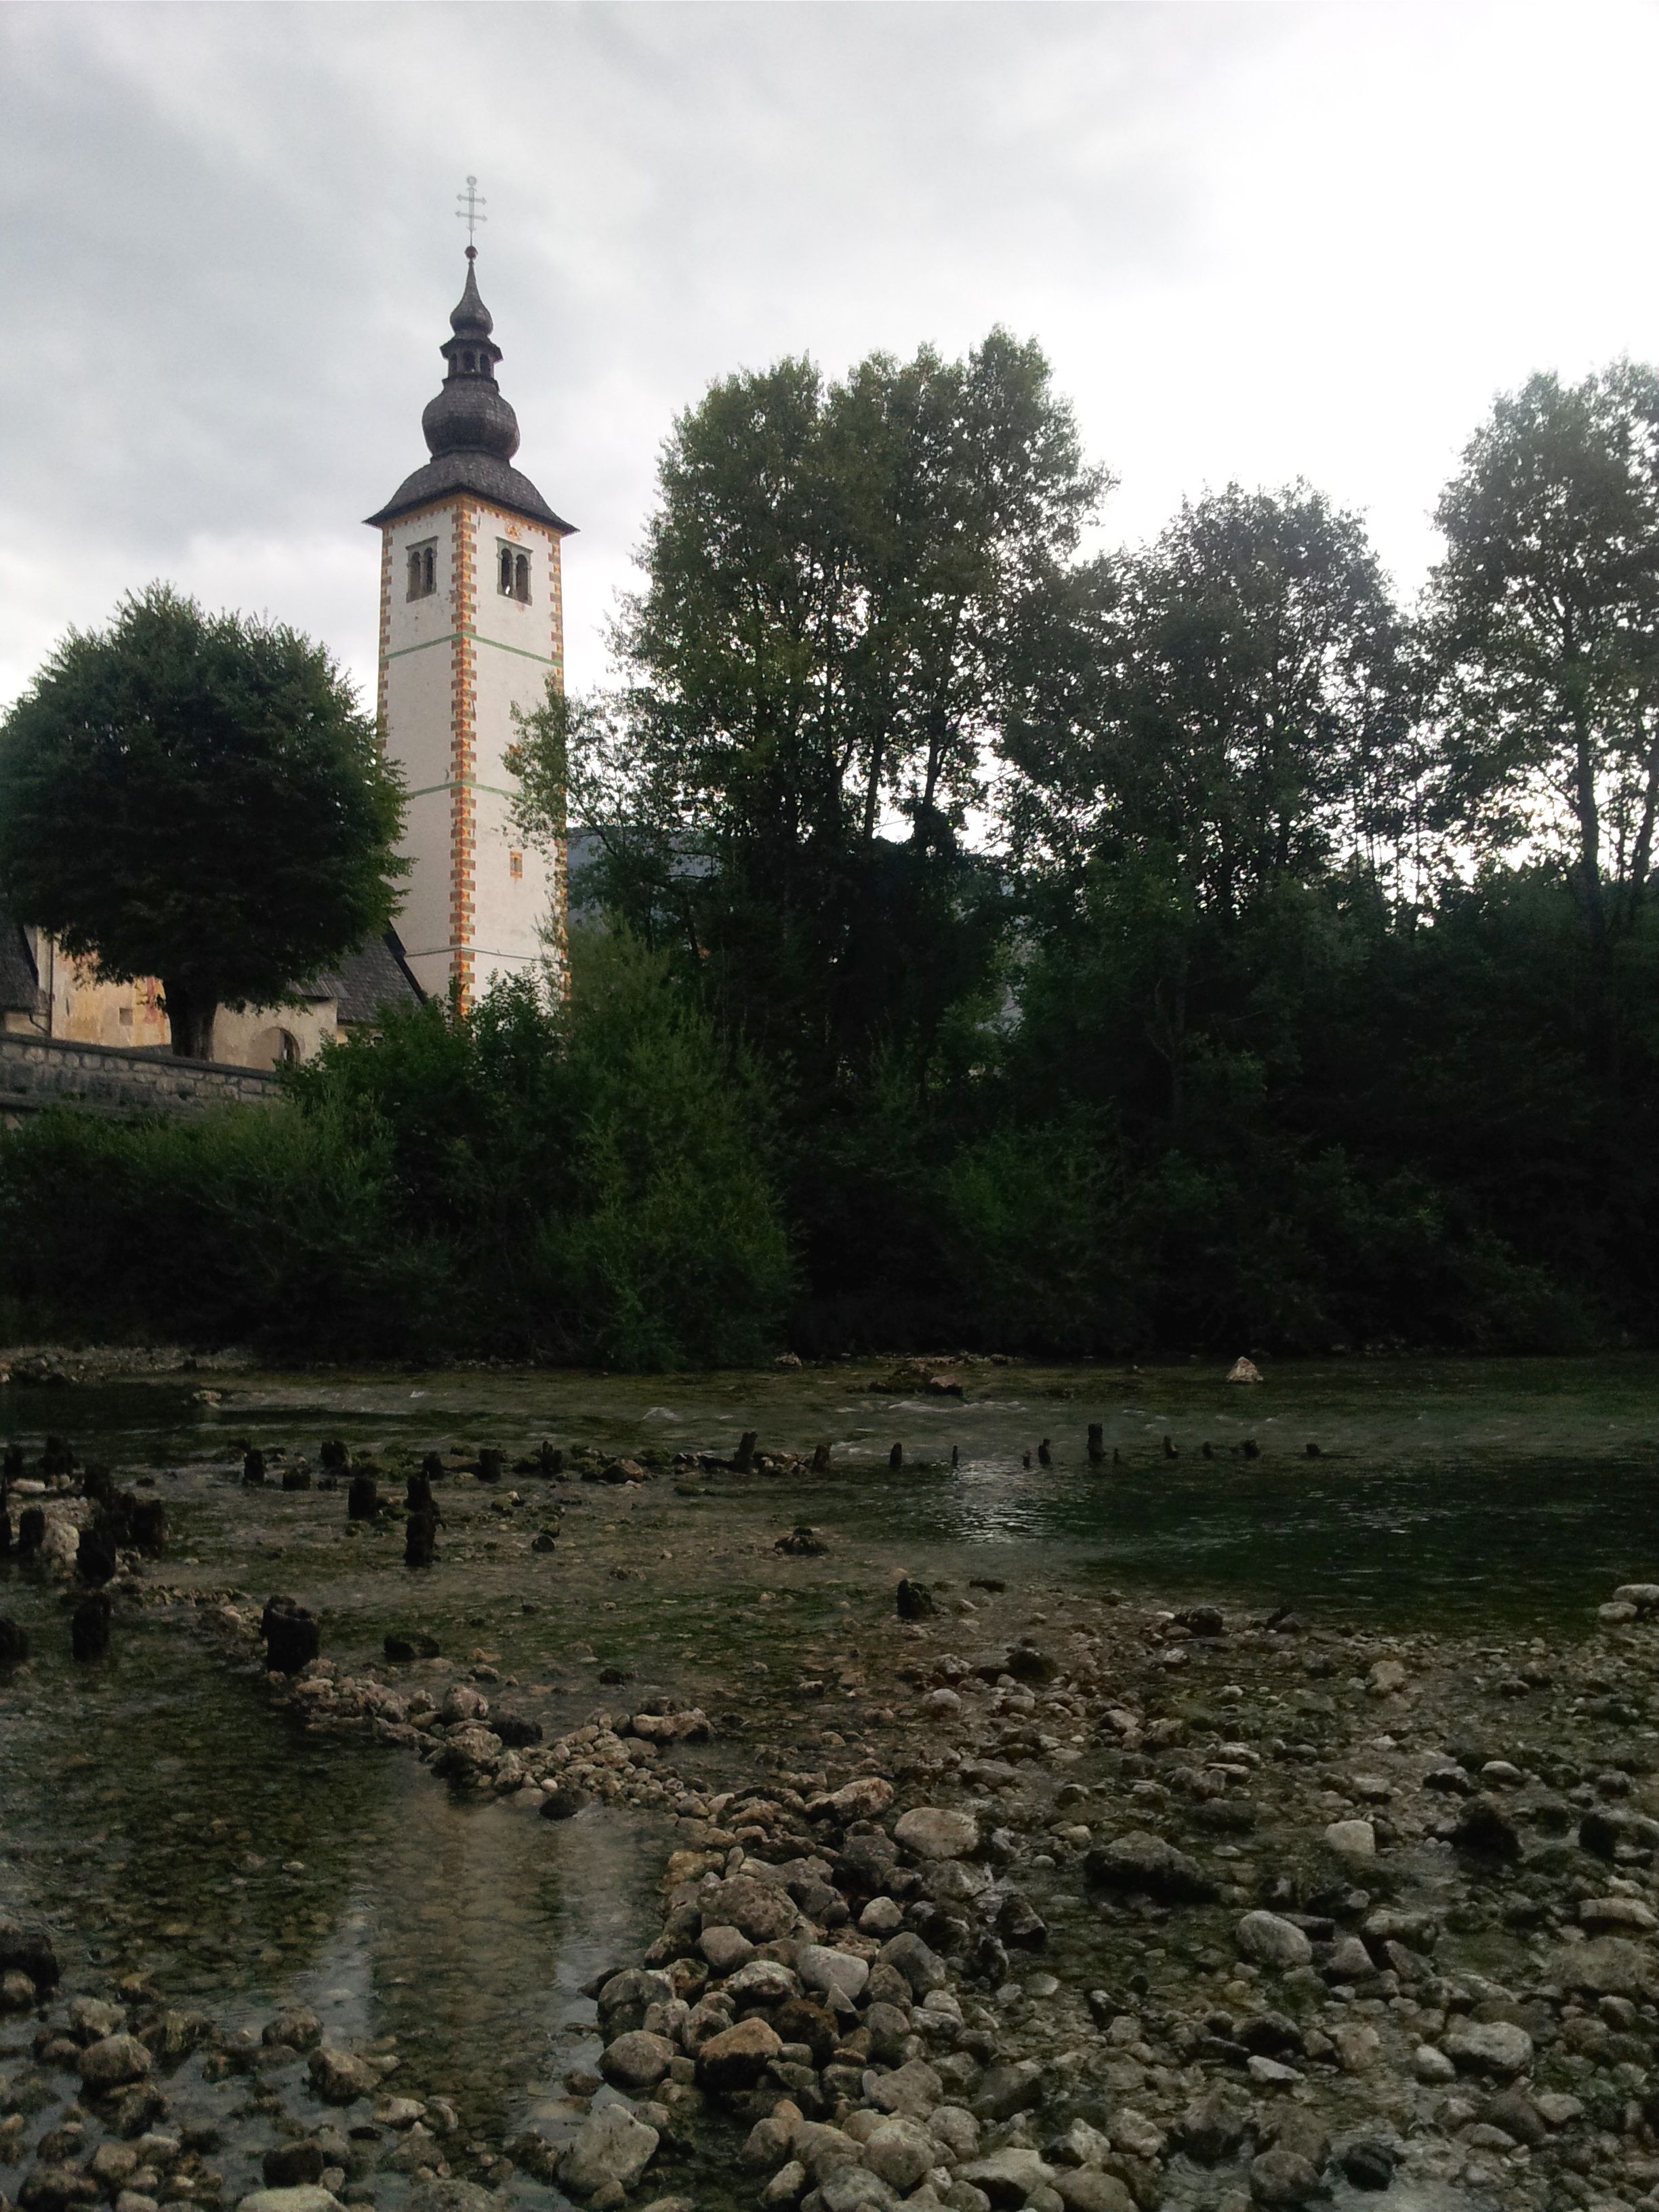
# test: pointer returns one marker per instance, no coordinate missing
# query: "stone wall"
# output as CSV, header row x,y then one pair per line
x,y
41,1072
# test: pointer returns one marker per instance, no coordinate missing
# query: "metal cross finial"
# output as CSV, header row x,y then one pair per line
x,y
468,207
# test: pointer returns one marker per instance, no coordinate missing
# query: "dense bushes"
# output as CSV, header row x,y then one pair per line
x,y
590,1187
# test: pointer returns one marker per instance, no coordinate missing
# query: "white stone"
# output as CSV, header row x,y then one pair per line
x,y
1432,2065
901,2151
1616,1912
1134,2132
610,2145
1272,1942
1489,2046
937,1832
1353,1840
290,2200
822,1968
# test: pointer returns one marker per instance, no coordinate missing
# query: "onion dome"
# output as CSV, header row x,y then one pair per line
x,y
471,430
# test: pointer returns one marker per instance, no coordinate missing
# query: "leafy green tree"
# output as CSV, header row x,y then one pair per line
x,y
1544,621
198,798
845,583
1231,727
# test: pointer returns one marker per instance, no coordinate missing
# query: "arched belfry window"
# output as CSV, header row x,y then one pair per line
x,y
423,569
513,574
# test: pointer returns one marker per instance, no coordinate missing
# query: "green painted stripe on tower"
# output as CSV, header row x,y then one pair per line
x,y
546,660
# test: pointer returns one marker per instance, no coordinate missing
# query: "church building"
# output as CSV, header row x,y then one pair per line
x,y
471,627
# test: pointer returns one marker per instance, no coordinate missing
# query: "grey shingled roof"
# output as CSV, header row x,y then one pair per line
x,y
20,986
490,477
365,981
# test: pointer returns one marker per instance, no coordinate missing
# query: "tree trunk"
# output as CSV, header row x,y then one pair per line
x,y
191,1013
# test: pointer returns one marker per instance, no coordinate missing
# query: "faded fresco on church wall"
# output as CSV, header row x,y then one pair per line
x,y
80,1007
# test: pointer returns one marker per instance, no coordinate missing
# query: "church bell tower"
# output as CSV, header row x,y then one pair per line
x,y
472,626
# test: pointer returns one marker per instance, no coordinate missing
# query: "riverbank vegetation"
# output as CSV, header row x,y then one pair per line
x,y
1006,943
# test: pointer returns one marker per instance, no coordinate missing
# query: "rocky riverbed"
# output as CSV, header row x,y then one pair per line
x,y
976,1890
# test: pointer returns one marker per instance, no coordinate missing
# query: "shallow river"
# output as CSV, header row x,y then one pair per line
x,y
162,1815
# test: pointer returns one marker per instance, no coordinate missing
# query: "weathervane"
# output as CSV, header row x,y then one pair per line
x,y
468,210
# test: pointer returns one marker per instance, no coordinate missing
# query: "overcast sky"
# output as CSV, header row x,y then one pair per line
x,y
1257,240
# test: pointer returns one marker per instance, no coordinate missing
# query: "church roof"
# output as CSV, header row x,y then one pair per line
x,y
484,474
20,983
470,429
365,982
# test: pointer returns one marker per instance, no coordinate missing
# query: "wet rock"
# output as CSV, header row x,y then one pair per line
x,y
754,1908
14,1643
822,1968
292,1636
866,1799
564,1803
1212,2127
1202,1620
300,2198
637,2060
900,2153
1014,2086
402,1650
294,2165
57,2188
1008,2177
30,1531
916,2087
922,1967
469,1751
30,1953
936,1832
112,2061
339,2078
1141,1861
625,1998
1086,2188
725,1948
1283,2176
736,2058
1368,2163
1351,1839
363,1498
852,2189
420,1540
91,2019
1516,2114
798,2019
802,1543
1485,1830
1020,1923
1495,2046
90,1626
449,2193
515,1730
1603,1913
1269,1941
297,2027
253,1465
1606,1965
913,1600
